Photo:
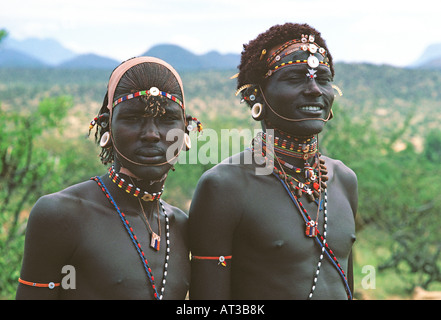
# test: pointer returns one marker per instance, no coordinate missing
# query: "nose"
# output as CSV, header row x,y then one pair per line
x,y
150,130
312,89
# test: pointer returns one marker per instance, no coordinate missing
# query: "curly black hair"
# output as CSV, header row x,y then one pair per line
x,y
252,69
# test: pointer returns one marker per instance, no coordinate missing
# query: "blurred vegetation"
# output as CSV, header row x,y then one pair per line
x,y
386,128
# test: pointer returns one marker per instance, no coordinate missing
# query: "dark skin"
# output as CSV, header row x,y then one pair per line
x,y
251,217
78,226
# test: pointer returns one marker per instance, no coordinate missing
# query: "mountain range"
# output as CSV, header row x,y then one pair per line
x,y
39,53
48,53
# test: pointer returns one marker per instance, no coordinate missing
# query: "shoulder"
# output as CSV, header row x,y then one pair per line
x,y
344,178
61,208
231,173
219,192
341,171
174,212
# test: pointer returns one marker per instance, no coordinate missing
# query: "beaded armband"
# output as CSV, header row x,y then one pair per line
x,y
50,285
220,259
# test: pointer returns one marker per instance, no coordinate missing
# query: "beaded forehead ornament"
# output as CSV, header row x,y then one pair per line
x,y
152,92
307,45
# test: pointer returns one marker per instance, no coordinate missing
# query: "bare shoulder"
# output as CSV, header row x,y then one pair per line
x,y
218,193
61,208
231,174
344,178
341,171
174,212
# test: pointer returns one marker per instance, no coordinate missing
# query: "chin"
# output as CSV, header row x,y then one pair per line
x,y
305,128
151,172
147,172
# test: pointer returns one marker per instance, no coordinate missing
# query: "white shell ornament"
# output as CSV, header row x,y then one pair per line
x,y
313,61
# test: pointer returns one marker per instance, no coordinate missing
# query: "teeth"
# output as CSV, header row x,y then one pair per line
x,y
310,108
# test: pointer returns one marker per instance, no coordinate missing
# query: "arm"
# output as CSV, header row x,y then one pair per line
x,y
349,179
48,245
213,217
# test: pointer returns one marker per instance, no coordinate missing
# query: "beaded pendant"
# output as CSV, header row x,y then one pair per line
x,y
155,241
311,229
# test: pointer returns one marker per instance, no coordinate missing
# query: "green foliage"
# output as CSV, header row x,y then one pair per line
x,y
31,165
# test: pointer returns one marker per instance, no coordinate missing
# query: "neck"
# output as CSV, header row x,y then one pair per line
x,y
292,150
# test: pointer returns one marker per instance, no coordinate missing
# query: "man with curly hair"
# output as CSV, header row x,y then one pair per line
x,y
287,234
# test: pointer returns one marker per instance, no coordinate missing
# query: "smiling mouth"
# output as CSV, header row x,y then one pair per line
x,y
311,108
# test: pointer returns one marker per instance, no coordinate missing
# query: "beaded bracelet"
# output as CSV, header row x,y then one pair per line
x,y
50,285
221,259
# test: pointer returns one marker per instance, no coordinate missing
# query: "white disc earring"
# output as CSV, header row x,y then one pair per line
x,y
105,138
256,111
187,141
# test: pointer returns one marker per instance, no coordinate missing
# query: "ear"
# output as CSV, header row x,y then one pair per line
x,y
103,120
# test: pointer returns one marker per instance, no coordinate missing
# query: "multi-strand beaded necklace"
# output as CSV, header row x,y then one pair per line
x,y
314,175
136,243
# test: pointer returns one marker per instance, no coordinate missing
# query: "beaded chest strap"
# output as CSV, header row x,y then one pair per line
x,y
137,245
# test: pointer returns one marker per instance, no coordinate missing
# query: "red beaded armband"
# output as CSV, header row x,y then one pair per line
x,y
49,285
221,259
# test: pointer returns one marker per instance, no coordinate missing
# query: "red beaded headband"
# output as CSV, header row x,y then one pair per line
x,y
152,92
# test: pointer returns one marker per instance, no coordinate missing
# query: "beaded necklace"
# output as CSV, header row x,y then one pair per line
x,y
311,228
314,175
137,245
131,189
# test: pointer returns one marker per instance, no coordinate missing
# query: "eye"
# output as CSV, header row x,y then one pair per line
x,y
323,80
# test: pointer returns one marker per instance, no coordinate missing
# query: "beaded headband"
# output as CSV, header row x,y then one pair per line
x,y
152,92
307,44
121,69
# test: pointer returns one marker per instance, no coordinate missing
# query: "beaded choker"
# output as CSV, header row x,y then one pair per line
x,y
293,147
137,245
131,189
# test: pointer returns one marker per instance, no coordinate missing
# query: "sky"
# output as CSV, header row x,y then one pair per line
x,y
375,31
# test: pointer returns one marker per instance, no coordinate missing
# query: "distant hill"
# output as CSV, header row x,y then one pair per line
x,y
184,60
48,51
13,58
45,53
430,58
89,61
